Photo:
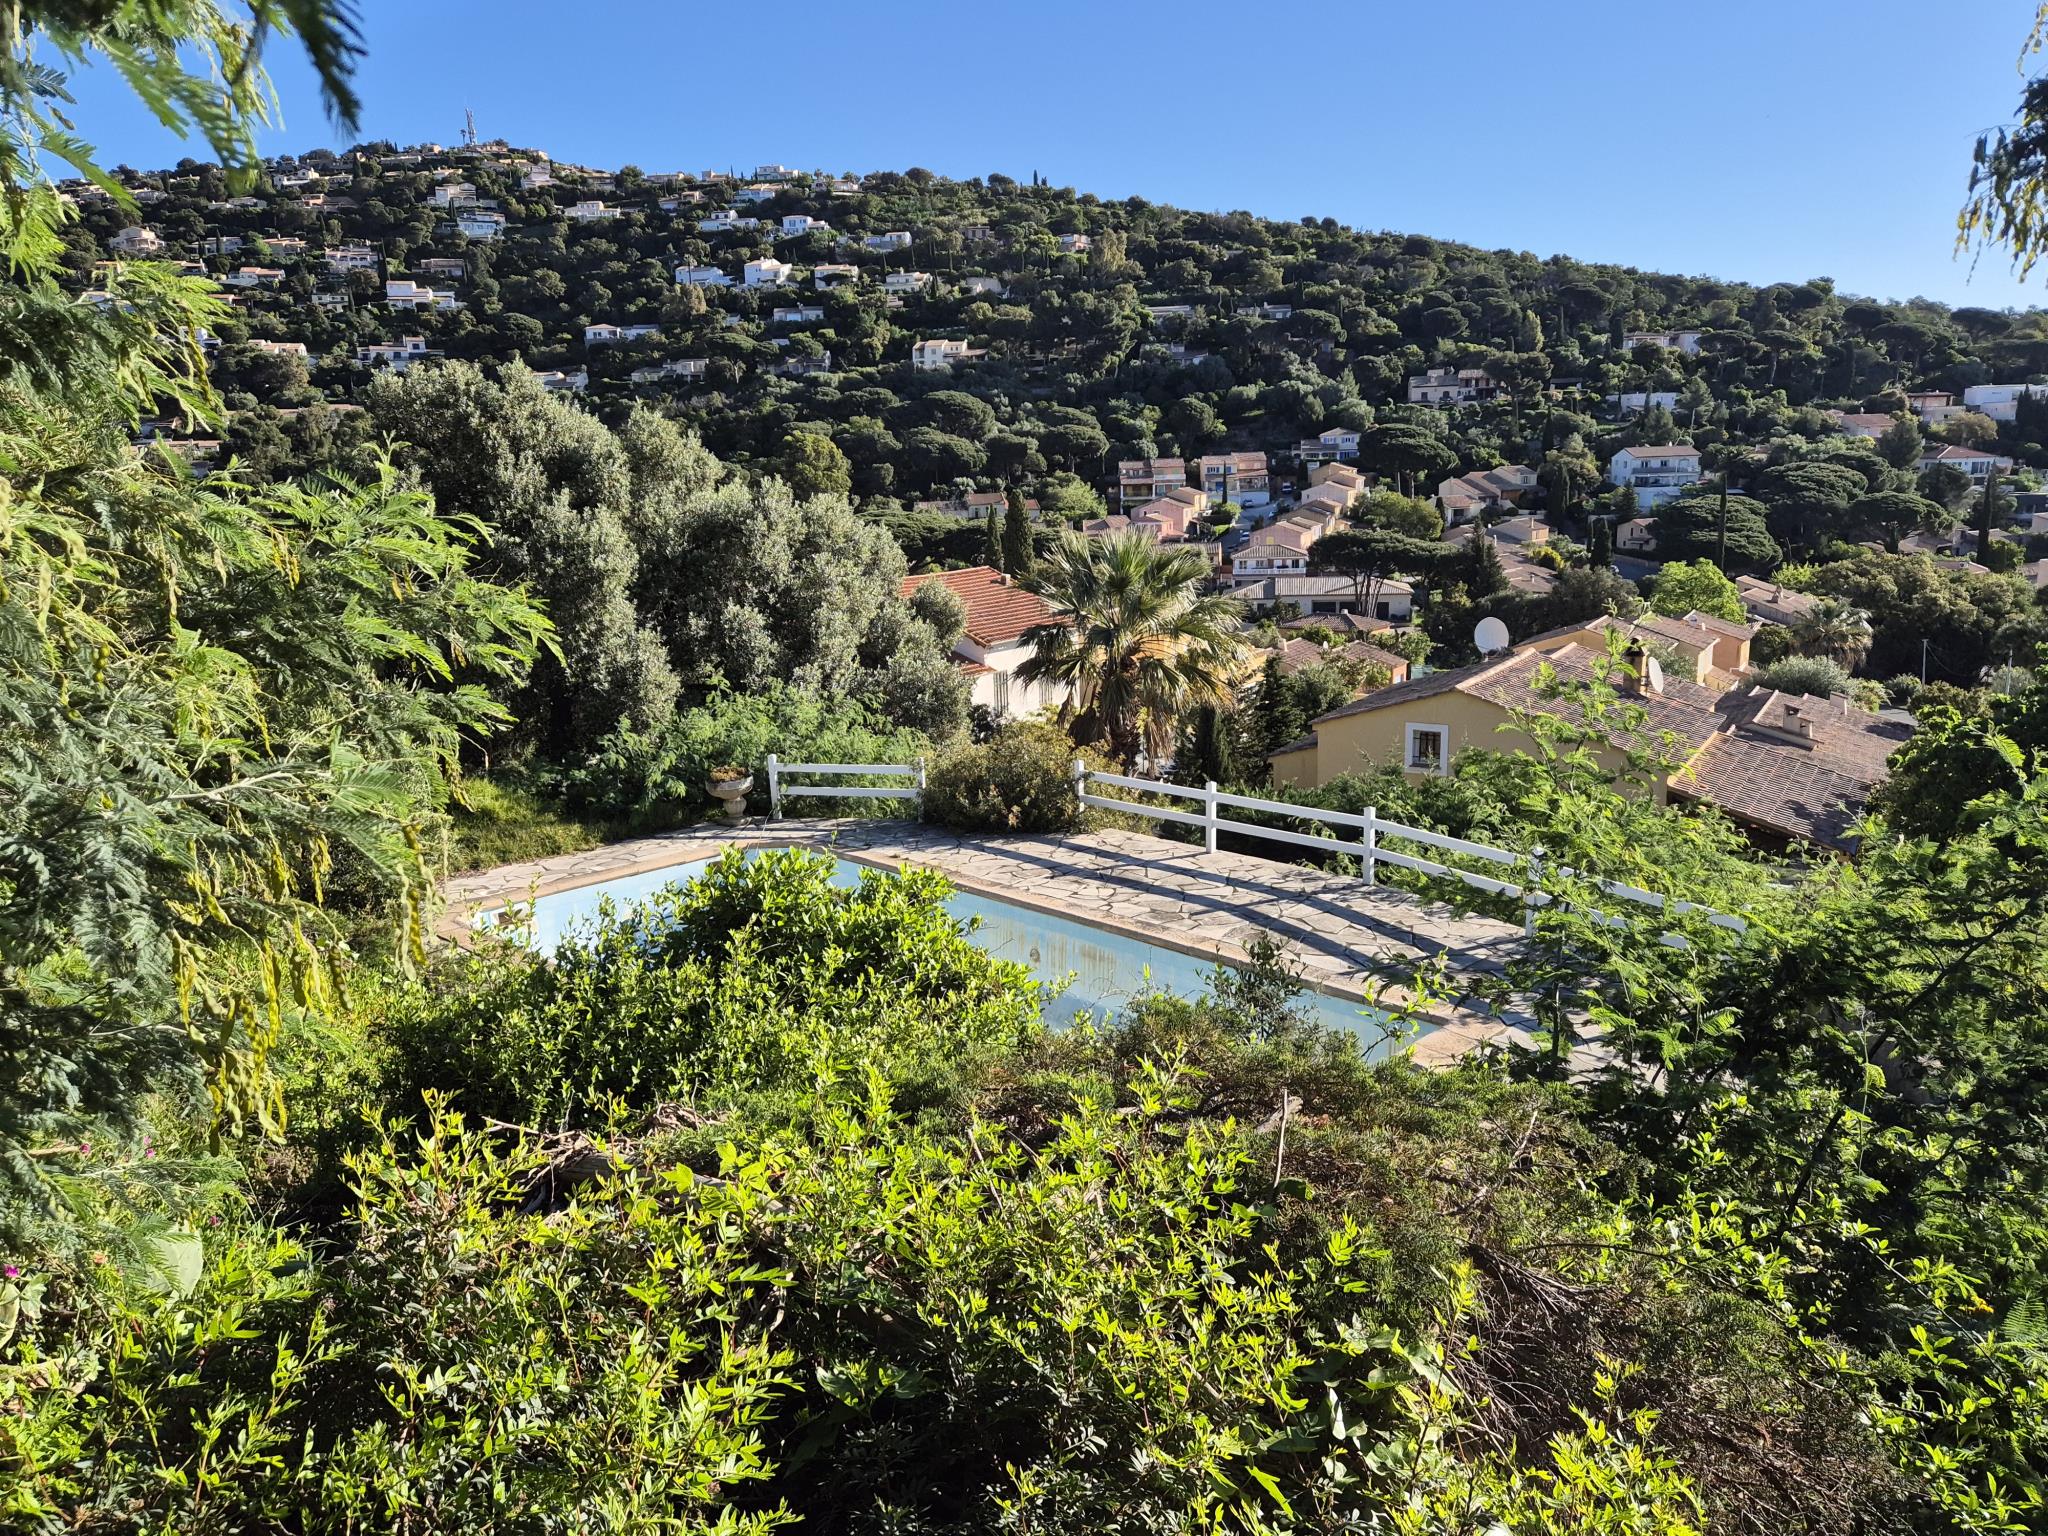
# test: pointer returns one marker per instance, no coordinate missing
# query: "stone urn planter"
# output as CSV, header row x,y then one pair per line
x,y
732,794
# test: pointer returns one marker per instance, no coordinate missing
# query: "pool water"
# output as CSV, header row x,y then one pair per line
x,y
1095,970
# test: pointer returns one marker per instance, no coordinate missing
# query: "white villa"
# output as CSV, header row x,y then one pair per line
x,y
992,645
766,272
1657,474
702,277
1687,341
936,354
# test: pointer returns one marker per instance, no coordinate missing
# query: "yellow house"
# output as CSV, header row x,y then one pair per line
x,y
1787,768
1424,723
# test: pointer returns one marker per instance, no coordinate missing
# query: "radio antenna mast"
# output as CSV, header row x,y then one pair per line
x,y
469,127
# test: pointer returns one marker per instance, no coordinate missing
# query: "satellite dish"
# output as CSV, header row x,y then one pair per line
x,y
1656,675
1490,635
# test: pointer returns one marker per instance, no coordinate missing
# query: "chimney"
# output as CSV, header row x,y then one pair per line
x,y
1642,670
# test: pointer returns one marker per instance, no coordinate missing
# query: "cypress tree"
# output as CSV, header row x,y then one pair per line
x,y
1018,555
992,547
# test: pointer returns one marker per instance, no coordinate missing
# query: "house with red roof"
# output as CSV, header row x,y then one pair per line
x,y
993,643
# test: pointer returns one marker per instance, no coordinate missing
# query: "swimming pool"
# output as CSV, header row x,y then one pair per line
x,y
1097,969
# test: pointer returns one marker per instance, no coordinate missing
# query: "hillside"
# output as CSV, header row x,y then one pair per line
x,y
1095,331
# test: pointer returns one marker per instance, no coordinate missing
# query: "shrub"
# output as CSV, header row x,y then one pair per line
x,y
633,772
1020,781
1817,675
759,974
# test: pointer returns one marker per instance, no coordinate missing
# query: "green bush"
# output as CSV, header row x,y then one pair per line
x,y
1816,675
635,772
760,974
1022,780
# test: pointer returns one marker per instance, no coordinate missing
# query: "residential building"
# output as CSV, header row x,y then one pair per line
x,y
981,282
1264,311
894,240
454,194
351,258
1709,650
702,277
1657,473
1465,497
404,293
1163,312
221,245
1977,463
797,364
136,240
535,179
773,173
674,368
974,506
797,314
1328,447
443,266
604,334
1239,477
1687,341
1933,406
1636,536
589,209
1864,423
2001,402
766,272
936,354
253,277
803,224
830,275
1143,480
1295,653
1327,596
901,283
481,225
718,221
557,382
748,197
285,247
993,643
1636,400
279,348
1451,386
1281,548
1790,769
1357,482
397,356
1073,245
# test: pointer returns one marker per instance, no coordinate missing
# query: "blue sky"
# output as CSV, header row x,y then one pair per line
x,y
1738,138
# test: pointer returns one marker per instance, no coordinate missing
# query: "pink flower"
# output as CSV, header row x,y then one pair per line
x,y
11,1271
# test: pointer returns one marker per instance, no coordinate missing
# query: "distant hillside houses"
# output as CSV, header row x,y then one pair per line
x,y
1656,473
1451,386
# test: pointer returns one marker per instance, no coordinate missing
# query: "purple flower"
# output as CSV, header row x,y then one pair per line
x,y
11,1271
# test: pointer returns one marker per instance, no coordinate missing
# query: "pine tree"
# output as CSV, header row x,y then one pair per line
x,y
1016,540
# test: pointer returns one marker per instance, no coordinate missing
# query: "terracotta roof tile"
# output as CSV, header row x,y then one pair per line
x,y
998,611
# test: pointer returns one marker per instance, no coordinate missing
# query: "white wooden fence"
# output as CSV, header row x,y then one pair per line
x,y
779,784
1362,834
1367,844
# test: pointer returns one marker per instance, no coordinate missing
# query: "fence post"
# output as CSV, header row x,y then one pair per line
x,y
1209,816
1080,779
1369,845
1531,892
774,787
920,788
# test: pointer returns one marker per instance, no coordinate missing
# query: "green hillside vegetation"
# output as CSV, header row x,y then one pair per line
x,y
776,1205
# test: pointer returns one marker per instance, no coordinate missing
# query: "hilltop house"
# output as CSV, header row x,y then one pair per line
x,y
1657,474
481,225
830,275
899,284
404,293
702,277
1687,341
796,314
1791,769
766,272
1074,245
1977,463
1863,423
1328,447
350,258
1769,603
603,334
1451,386
803,224
937,354
894,240
253,277
136,241
1239,477
1393,601
397,356
975,506
1143,480
674,368
992,644
1466,497
584,212
2001,402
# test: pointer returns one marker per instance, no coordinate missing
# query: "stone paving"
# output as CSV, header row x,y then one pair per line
x,y
1343,934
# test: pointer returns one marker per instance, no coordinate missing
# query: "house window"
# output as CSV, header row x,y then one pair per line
x,y
1002,682
1427,748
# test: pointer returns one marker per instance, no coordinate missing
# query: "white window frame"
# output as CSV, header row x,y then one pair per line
x,y
1409,761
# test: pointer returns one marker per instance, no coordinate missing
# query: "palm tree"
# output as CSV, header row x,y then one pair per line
x,y
1135,641
1836,629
